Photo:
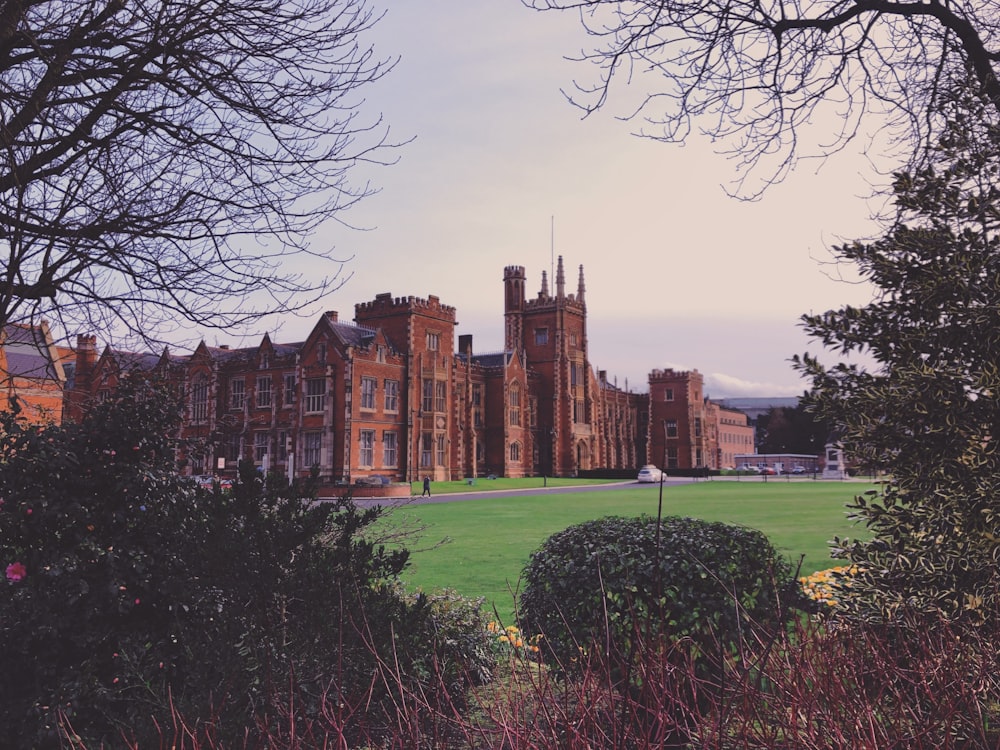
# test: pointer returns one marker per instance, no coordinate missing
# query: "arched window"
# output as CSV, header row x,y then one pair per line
x,y
199,399
515,452
514,401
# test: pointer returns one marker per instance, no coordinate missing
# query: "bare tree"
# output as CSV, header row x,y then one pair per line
x,y
161,161
753,74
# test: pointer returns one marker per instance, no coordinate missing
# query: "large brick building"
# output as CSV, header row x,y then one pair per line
x,y
391,394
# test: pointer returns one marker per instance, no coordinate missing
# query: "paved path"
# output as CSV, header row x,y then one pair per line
x,y
452,497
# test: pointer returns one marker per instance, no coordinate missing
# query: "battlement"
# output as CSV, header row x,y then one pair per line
x,y
514,272
386,304
672,374
550,303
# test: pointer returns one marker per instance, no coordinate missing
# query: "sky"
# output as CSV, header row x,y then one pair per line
x,y
502,170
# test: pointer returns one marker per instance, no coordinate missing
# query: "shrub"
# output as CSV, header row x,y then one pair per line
x,y
616,581
132,595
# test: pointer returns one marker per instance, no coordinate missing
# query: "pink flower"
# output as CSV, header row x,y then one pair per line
x,y
16,571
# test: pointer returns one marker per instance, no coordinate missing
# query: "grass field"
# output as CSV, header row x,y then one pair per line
x,y
488,542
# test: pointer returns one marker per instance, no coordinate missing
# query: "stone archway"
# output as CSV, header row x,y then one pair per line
x,y
582,456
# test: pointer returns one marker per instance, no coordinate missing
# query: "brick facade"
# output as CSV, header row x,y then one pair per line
x,y
391,394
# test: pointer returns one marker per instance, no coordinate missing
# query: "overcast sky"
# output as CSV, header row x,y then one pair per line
x,y
503,171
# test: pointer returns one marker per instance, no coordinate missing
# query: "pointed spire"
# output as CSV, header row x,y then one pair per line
x,y
581,287
545,286
560,280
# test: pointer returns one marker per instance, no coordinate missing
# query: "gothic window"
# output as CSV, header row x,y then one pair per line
x,y
199,399
427,395
426,450
668,395
390,451
315,394
392,395
368,386
515,453
312,448
671,428
514,399
260,445
366,456
440,393
441,450
433,341
237,393
263,392
541,336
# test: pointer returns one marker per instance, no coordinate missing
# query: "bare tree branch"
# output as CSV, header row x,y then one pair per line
x,y
755,74
163,161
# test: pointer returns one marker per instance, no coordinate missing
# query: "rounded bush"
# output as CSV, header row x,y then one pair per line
x,y
613,580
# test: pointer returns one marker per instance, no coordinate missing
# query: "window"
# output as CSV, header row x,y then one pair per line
x,y
263,392
477,417
541,336
440,450
237,393
315,394
199,400
368,386
260,445
390,449
668,395
671,428
671,458
427,395
289,388
532,411
433,341
515,453
574,374
103,395
380,354
514,399
392,395
233,448
440,391
281,449
312,448
477,394
425,450
697,426
579,412
321,354
366,443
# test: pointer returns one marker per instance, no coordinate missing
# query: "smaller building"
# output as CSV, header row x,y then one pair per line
x,y
31,372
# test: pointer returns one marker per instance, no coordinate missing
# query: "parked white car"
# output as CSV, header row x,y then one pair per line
x,y
748,469
650,473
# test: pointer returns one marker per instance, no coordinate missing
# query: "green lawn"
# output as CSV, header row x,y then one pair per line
x,y
489,540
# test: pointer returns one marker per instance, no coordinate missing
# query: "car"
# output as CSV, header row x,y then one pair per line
x,y
748,469
375,480
799,470
208,481
767,470
650,473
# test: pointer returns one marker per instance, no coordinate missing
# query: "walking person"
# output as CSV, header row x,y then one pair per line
x,y
427,487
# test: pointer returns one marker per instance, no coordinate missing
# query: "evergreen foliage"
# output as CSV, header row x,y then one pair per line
x,y
616,580
131,594
928,411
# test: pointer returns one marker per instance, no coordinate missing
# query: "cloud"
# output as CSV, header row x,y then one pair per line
x,y
721,385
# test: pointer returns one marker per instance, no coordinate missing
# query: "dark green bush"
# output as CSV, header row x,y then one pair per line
x,y
615,581
130,594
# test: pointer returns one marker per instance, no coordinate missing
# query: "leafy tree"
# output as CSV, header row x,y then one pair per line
x,y
791,430
164,159
130,593
929,408
756,74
